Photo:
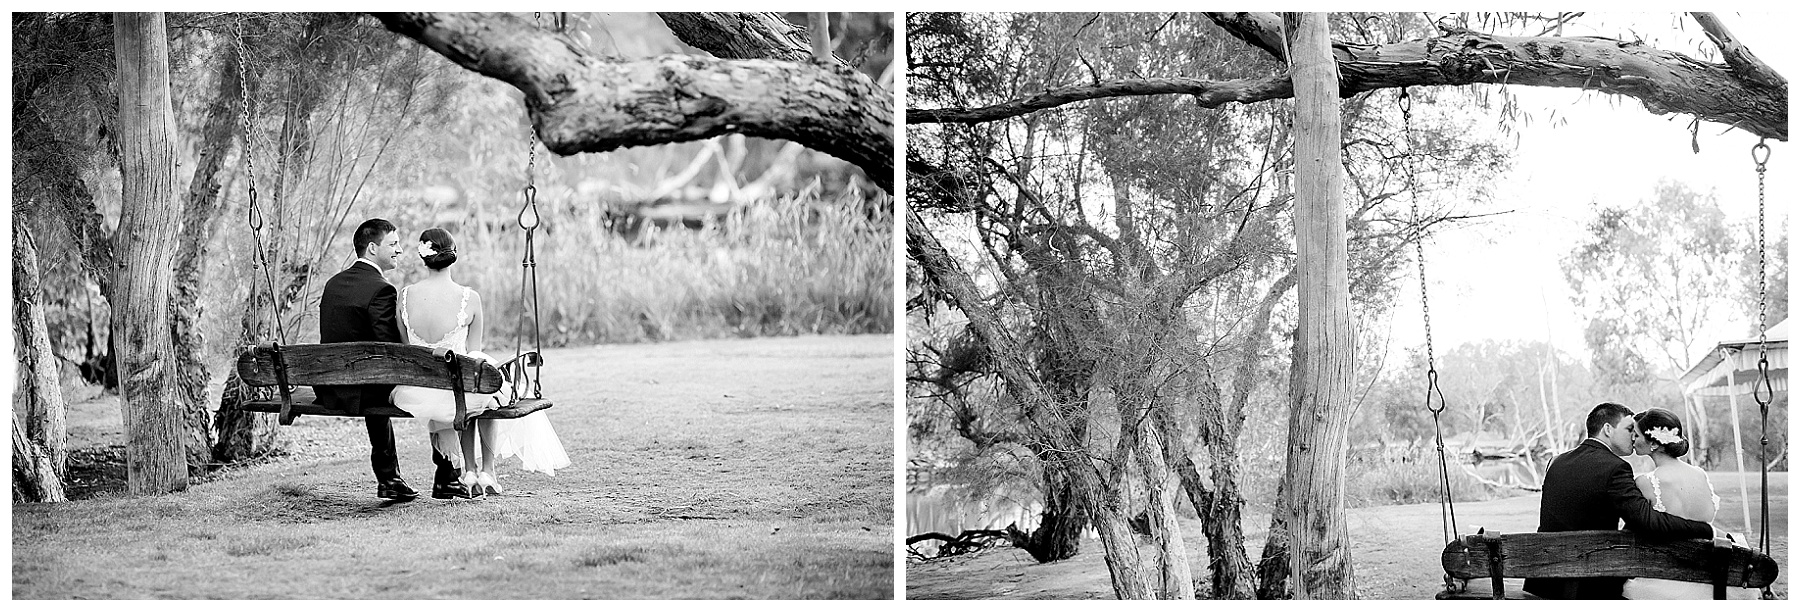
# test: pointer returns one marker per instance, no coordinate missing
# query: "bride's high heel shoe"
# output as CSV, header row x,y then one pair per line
x,y
471,482
488,484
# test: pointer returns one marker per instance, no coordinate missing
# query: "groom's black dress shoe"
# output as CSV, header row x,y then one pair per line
x,y
396,490
450,490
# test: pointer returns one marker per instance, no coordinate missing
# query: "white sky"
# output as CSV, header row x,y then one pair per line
x,y
1495,281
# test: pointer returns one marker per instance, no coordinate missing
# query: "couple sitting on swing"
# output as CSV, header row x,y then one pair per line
x,y
1592,488
360,305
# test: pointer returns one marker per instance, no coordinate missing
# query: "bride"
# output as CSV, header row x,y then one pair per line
x,y
1675,487
438,313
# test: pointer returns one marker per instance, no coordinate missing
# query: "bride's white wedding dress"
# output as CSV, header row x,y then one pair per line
x,y
1691,507
530,438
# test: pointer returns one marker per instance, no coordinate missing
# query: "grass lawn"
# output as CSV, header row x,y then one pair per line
x,y
711,469
1394,551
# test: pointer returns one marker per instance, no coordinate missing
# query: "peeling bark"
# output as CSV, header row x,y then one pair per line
x,y
1664,81
581,103
33,480
740,35
1319,392
1220,506
154,452
39,388
1177,578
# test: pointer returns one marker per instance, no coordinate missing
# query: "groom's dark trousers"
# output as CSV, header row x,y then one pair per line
x,y
1590,488
359,306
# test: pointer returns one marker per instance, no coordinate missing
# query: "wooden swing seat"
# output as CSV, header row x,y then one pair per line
x,y
293,369
1596,554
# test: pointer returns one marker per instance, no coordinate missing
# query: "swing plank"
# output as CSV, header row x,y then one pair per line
x,y
304,405
1591,554
364,363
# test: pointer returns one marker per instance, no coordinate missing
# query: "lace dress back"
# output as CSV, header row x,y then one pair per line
x,y
1687,507
530,438
457,339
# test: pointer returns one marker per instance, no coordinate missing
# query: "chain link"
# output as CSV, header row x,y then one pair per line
x,y
244,116
528,293
253,210
1447,503
1763,391
1412,189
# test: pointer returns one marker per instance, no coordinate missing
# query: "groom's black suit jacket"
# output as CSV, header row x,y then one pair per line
x,y
358,306
1590,488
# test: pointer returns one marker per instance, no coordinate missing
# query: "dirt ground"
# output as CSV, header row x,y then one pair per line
x,y
1395,551
712,469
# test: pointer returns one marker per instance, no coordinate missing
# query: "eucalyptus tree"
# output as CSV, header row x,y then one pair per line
x,y
1041,106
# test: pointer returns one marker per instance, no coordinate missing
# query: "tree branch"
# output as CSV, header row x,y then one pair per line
x,y
1261,30
582,103
741,35
1736,54
1665,81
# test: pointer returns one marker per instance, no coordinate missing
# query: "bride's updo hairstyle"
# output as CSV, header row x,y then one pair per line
x,y
1663,429
442,245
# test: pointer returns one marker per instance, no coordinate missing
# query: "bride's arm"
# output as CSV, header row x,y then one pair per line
x,y
477,323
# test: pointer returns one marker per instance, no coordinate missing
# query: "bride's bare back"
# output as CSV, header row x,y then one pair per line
x,y
432,311
1682,490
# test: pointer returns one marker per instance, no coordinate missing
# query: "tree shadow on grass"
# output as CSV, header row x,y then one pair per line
x,y
295,503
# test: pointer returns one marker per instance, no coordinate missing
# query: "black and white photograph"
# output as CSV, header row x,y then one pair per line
x,y
480,306
1349,305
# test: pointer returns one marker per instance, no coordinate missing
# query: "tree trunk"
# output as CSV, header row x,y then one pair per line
x,y
1221,506
585,104
1123,563
34,480
242,435
199,221
1177,577
1103,505
149,393
40,386
1320,392
1058,534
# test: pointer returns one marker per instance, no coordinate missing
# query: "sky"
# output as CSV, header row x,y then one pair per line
x,y
1502,280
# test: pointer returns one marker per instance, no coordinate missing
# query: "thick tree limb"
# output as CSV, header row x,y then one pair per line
x,y
1262,30
1736,54
741,35
581,103
1209,94
1665,81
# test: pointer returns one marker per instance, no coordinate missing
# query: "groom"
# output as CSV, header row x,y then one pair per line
x,y
1591,488
358,306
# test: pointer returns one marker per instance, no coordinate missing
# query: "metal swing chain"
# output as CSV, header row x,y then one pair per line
x,y
528,293
1446,504
1763,390
252,210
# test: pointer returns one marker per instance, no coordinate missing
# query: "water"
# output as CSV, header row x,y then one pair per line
x,y
946,509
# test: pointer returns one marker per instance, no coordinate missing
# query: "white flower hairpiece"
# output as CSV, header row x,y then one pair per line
x,y
425,249
1663,435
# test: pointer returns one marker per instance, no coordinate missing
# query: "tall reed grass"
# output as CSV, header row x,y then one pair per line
x,y
794,265
1410,476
